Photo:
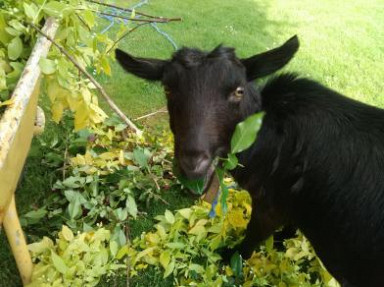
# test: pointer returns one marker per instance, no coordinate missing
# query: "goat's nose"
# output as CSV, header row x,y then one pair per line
x,y
195,163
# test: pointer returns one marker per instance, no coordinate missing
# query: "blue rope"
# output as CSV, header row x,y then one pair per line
x,y
113,21
166,36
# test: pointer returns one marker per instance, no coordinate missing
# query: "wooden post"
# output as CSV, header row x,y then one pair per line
x,y
16,132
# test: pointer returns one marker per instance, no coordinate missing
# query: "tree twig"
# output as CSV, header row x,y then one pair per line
x,y
110,102
162,110
151,20
65,161
123,9
126,34
83,22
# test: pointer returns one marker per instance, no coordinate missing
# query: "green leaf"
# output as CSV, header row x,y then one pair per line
x,y
194,185
237,264
113,247
231,162
169,269
185,212
75,202
132,207
246,132
165,258
59,263
169,217
121,214
141,157
269,243
224,189
47,66
175,245
36,214
41,246
89,18
4,37
122,252
31,11
55,8
74,182
15,48
67,233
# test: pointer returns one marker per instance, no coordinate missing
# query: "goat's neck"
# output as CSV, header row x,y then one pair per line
x,y
252,101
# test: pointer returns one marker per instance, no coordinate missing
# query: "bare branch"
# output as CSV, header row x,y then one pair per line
x,y
126,34
124,9
110,102
162,110
151,20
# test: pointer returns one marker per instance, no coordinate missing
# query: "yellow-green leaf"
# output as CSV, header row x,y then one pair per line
x,y
15,48
41,246
30,10
169,217
169,268
59,263
47,66
6,103
122,252
57,111
89,18
55,8
197,230
67,233
165,258
185,212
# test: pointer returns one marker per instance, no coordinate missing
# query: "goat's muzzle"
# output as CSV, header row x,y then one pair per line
x,y
195,165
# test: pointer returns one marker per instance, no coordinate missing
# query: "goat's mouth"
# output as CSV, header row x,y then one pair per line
x,y
205,186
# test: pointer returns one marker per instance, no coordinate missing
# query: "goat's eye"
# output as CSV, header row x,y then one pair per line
x,y
237,95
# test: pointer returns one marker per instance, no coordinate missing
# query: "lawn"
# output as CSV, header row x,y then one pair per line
x,y
342,46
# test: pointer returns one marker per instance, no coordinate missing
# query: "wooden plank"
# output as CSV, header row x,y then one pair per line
x,y
16,124
16,131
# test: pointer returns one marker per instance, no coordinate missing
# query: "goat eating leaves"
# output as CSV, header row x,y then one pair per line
x,y
317,164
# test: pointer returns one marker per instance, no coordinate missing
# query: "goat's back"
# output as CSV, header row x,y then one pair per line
x,y
324,168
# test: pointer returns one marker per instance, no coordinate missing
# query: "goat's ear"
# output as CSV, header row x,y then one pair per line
x,y
268,62
150,69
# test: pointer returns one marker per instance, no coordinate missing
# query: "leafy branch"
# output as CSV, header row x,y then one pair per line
x,y
108,99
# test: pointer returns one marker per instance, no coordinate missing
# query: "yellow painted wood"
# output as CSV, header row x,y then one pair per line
x,y
17,153
17,242
16,131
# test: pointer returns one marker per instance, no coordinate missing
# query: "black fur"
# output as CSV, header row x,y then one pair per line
x,y
318,162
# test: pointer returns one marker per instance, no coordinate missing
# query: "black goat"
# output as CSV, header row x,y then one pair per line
x,y
318,162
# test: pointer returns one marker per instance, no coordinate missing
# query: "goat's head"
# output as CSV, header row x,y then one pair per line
x,y
208,93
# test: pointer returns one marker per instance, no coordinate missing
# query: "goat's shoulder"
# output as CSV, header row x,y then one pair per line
x,y
288,90
289,94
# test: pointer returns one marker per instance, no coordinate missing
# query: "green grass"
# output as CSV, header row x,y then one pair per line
x,y
341,46
341,42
